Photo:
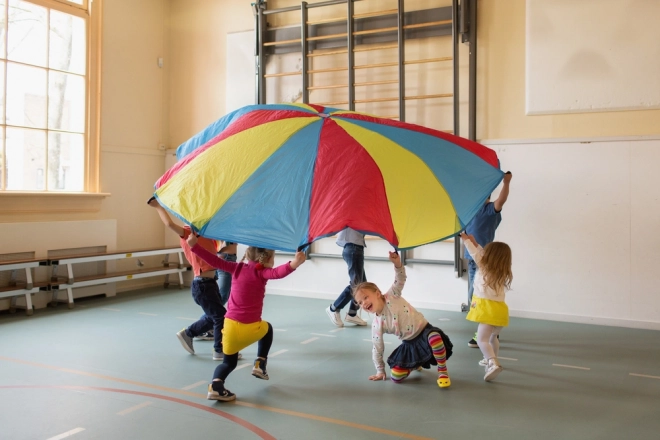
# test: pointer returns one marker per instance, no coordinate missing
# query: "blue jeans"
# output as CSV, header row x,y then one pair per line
x,y
206,295
224,278
353,255
472,269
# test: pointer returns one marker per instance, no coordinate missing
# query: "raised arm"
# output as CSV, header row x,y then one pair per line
x,y
475,250
399,274
212,259
283,270
165,217
504,194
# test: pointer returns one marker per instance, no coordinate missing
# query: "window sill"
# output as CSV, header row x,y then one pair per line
x,y
21,202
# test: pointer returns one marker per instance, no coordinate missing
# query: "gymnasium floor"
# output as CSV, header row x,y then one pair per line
x,y
112,368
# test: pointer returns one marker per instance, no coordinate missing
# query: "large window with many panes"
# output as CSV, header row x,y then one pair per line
x,y
43,94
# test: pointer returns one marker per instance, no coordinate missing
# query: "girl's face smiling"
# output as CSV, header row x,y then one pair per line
x,y
370,301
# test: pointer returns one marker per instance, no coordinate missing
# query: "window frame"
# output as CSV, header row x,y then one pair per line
x,y
88,200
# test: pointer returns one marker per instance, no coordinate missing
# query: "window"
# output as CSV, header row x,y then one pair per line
x,y
46,122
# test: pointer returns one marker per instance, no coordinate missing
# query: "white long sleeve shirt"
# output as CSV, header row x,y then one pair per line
x,y
480,288
398,317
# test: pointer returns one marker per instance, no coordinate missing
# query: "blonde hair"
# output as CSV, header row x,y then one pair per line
x,y
366,286
257,254
496,266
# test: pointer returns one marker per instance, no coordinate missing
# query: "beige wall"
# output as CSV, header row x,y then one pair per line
x,y
197,38
501,88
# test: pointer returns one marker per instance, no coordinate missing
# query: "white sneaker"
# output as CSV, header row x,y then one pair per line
x,y
334,317
355,320
483,362
492,370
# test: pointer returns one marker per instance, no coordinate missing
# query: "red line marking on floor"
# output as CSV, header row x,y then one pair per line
x,y
247,425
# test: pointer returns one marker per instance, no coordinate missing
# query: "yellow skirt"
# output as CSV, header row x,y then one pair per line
x,y
236,335
487,311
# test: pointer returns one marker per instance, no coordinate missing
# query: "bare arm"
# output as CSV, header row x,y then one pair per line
x,y
504,194
165,217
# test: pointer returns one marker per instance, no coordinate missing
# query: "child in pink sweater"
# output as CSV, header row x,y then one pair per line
x,y
243,323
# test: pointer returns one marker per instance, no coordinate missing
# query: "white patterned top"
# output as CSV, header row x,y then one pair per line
x,y
398,318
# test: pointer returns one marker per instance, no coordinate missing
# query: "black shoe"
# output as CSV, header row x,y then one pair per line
x,y
259,369
473,343
217,391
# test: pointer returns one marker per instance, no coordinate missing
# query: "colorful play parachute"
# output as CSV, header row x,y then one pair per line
x,y
282,176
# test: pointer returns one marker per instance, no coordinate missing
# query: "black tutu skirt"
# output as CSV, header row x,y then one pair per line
x,y
417,352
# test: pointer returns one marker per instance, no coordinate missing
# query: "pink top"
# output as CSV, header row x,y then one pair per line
x,y
248,287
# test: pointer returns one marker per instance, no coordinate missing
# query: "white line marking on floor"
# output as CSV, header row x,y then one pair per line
x,y
242,366
195,385
279,330
111,310
645,375
338,329
309,340
148,314
134,408
571,366
507,359
325,336
444,319
67,434
369,340
277,353
186,319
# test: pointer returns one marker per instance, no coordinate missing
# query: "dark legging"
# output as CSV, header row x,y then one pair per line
x,y
231,360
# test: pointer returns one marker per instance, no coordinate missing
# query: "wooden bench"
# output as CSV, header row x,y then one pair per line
x,y
16,288
70,281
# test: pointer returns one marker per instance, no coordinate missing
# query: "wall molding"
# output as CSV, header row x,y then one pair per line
x,y
585,140
24,202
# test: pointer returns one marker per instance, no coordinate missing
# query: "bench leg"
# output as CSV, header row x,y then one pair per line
x,y
28,304
69,293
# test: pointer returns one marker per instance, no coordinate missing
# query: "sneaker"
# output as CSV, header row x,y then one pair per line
x,y
259,369
220,356
217,391
186,341
444,382
355,320
334,317
473,342
483,362
207,336
492,370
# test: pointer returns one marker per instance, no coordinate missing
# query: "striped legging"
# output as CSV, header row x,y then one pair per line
x,y
438,348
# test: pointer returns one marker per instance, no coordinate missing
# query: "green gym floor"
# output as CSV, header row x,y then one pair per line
x,y
112,368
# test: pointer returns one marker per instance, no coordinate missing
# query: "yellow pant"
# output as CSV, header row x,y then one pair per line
x,y
236,335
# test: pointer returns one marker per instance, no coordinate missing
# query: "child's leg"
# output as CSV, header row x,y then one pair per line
x,y
397,374
259,369
208,297
494,341
226,367
264,343
484,336
439,352
217,390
